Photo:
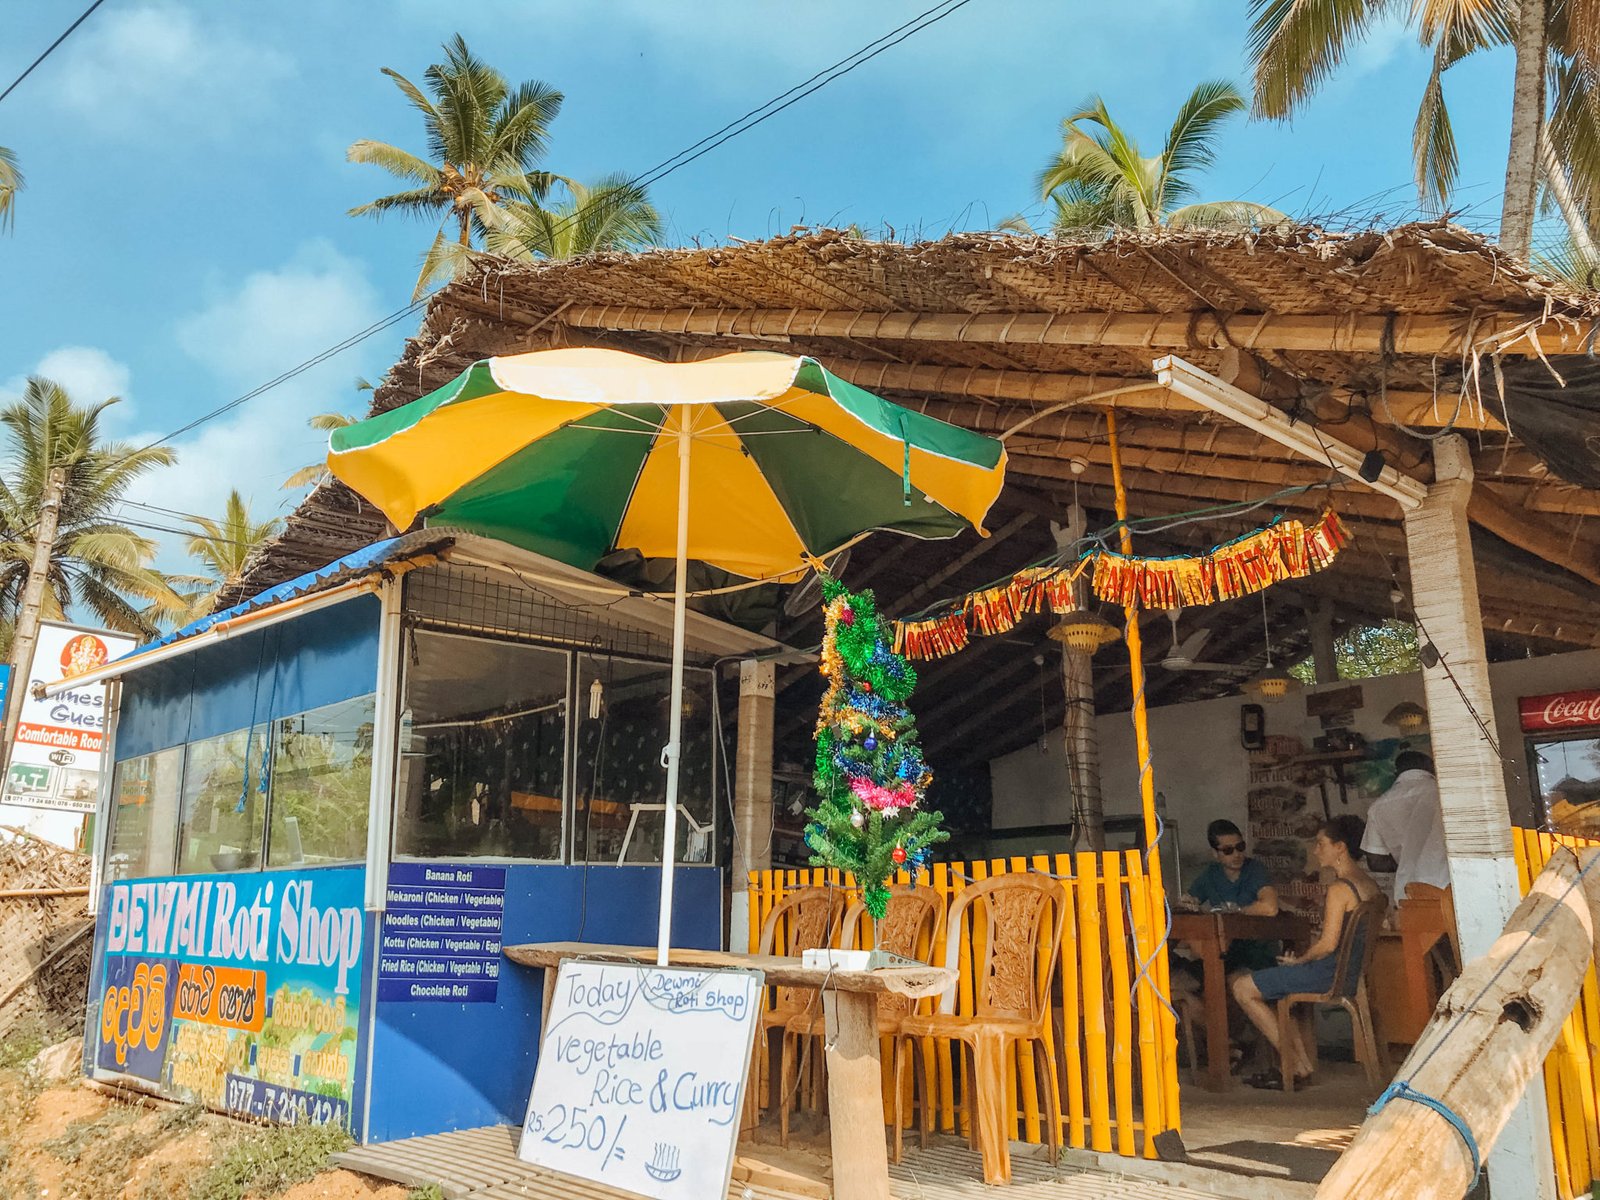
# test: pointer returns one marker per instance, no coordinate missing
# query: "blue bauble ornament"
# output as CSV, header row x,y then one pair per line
x,y
871,743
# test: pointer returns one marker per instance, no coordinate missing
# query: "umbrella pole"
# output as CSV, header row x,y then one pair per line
x,y
673,752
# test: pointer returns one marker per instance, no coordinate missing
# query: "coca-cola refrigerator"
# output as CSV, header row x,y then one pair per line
x,y
1563,742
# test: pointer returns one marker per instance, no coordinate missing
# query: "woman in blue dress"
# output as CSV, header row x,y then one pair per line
x,y
1338,847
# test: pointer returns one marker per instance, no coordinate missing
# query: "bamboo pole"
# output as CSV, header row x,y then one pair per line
x,y
1154,971
1335,332
41,893
1486,1041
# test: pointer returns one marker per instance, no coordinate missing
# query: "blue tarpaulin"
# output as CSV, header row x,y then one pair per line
x,y
365,561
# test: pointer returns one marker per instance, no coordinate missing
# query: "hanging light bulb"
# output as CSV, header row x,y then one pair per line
x,y
1407,717
1271,684
596,695
1084,631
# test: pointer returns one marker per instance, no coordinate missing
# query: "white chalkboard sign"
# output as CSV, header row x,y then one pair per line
x,y
641,1077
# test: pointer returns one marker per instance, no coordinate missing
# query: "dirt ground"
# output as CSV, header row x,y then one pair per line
x,y
61,1139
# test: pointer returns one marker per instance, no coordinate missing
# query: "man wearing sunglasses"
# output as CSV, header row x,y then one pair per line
x,y
1235,883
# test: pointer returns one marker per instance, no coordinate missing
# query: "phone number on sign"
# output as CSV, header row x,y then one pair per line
x,y
287,1106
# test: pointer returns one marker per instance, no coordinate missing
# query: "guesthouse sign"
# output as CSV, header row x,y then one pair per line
x,y
641,1077
55,762
1559,711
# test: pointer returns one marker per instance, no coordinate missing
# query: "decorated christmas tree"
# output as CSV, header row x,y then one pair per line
x,y
870,777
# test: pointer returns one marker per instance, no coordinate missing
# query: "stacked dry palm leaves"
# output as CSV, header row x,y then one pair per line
x,y
45,937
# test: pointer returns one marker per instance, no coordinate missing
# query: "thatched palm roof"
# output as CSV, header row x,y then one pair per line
x,y
1379,338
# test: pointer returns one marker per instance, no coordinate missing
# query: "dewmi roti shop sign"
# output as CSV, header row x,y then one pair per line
x,y
641,1077
237,991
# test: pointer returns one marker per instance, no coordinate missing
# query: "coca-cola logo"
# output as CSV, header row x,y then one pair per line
x,y
1561,710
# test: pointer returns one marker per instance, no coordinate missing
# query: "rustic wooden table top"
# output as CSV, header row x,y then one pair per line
x,y
914,982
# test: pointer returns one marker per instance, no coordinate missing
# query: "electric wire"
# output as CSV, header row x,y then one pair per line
x,y
51,48
740,125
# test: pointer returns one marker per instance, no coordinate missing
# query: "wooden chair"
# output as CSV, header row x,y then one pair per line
x,y
1011,1003
806,919
1349,992
913,920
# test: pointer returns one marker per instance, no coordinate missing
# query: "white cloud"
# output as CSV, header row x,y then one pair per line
x,y
1385,40
88,373
157,62
244,336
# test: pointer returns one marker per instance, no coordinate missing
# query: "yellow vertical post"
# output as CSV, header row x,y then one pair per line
x,y
1155,971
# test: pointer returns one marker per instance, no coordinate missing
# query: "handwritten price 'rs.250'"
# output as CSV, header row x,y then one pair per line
x,y
133,1015
574,1129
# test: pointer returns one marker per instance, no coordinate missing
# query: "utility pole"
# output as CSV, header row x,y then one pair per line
x,y
27,632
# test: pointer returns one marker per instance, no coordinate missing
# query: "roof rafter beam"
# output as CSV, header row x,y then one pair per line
x,y
1521,529
1412,334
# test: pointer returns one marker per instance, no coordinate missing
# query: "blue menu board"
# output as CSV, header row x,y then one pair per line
x,y
441,934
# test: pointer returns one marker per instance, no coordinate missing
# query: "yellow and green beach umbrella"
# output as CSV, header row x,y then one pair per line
x,y
574,454
755,463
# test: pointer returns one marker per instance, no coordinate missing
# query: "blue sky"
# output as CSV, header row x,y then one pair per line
x,y
183,235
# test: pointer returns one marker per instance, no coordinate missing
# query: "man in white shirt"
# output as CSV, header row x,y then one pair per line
x,y
1406,824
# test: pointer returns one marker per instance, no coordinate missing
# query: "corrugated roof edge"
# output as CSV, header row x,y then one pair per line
x,y
358,564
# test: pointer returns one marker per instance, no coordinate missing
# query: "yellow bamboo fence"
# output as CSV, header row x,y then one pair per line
x,y
1572,1070
1114,1037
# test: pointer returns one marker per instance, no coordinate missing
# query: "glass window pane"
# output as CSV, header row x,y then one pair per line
x,y
321,785
222,804
618,779
144,823
1569,774
482,749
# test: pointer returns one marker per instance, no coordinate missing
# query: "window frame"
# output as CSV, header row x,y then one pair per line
x,y
409,630
272,789
715,841
114,816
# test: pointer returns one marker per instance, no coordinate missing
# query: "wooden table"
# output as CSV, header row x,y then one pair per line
x,y
850,1004
1208,932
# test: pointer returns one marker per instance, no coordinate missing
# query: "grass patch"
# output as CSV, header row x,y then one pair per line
x,y
263,1162
428,1191
22,1045
80,1136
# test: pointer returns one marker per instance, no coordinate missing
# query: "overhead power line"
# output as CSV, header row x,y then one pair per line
x,y
661,170
50,49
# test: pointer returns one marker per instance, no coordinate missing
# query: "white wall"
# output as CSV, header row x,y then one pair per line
x,y
1201,768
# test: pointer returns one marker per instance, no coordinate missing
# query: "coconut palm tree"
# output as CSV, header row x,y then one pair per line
x,y
1297,45
481,133
314,473
98,564
223,548
1099,180
612,214
10,185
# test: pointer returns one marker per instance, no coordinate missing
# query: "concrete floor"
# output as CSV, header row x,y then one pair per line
x,y
1295,1137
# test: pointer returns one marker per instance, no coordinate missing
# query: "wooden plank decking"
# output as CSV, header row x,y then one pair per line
x,y
482,1164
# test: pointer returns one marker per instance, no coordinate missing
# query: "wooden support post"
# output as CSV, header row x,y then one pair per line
x,y
1324,651
855,1100
752,792
1484,1045
1472,792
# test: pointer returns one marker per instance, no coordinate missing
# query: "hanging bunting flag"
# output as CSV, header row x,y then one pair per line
x,y
1286,549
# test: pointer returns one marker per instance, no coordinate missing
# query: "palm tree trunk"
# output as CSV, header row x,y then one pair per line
x,y
1527,113
466,228
1560,186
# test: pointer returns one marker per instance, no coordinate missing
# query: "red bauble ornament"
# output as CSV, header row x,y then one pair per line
x,y
898,855
846,616
866,687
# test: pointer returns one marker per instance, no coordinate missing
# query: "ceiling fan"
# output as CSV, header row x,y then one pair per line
x,y
1180,656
